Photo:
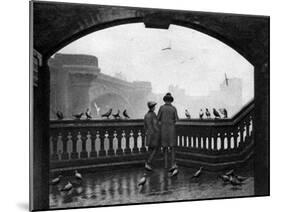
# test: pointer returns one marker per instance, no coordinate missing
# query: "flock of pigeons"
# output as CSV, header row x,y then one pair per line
x,y
217,115
69,185
88,115
228,177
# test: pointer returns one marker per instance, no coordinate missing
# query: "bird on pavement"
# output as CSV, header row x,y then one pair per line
x,y
208,114
224,178
116,115
59,115
216,113
78,176
175,172
88,113
67,187
107,114
230,172
125,114
56,180
234,181
198,173
241,178
187,114
142,180
201,114
78,116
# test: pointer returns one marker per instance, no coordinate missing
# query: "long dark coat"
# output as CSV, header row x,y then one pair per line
x,y
167,117
151,128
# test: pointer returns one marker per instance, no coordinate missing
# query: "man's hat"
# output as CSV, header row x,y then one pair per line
x,y
151,104
168,98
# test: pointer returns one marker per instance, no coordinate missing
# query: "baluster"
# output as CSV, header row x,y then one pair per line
x,y
65,140
101,136
55,155
119,143
74,153
222,137
247,131
215,142
204,142
189,142
142,135
127,137
93,153
135,136
84,153
184,142
235,136
110,137
241,143
228,137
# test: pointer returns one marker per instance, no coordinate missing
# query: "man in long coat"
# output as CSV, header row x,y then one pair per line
x,y
167,117
151,128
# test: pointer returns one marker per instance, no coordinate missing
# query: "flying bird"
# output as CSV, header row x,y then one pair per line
x,y
78,176
67,187
208,114
107,114
88,113
201,114
116,115
142,180
56,180
226,79
187,114
59,115
97,109
78,116
167,48
125,114
198,173
216,113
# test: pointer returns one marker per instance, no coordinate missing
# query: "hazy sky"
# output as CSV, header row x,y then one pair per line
x,y
196,62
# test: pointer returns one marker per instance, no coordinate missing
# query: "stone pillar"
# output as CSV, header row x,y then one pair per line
x,y
39,143
261,129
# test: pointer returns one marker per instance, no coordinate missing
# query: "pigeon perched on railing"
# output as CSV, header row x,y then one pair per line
x,y
216,113
78,116
125,114
116,115
187,114
223,111
208,114
59,115
107,114
88,114
201,114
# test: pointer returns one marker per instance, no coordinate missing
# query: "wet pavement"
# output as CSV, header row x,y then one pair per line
x,y
121,187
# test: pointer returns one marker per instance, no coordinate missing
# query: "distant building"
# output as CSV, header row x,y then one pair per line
x,y
77,83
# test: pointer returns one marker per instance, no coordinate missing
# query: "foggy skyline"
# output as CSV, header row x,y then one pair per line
x,y
196,62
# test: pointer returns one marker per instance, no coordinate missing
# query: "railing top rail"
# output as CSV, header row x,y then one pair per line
x,y
139,122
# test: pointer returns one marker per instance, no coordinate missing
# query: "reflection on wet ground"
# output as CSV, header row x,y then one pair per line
x,y
121,187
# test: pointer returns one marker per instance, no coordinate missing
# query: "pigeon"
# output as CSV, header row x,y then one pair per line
x,y
88,114
67,187
234,181
175,172
201,114
241,178
59,115
56,180
187,114
107,114
116,116
230,172
78,116
216,113
142,180
208,114
78,176
125,114
223,111
224,178
197,174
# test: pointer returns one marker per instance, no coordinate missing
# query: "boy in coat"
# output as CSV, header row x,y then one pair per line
x,y
167,117
152,133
